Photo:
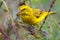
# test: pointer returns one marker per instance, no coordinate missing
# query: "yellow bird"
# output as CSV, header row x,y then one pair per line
x,y
32,16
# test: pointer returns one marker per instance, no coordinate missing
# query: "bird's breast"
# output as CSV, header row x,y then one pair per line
x,y
29,20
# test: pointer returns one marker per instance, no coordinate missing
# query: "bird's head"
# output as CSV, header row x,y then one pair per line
x,y
23,7
24,10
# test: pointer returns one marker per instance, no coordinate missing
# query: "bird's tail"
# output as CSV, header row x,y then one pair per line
x,y
51,13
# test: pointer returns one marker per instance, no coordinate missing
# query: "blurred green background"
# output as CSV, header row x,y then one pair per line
x,y
52,25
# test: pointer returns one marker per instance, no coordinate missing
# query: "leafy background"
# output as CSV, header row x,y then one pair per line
x,y
52,25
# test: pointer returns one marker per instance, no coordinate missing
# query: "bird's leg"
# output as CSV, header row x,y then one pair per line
x,y
34,32
31,30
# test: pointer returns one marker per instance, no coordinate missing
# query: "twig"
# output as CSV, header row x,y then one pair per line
x,y
22,3
51,5
13,23
5,5
2,29
4,33
15,31
44,34
1,4
48,11
30,2
8,11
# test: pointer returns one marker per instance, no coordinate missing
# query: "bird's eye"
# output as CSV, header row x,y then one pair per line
x,y
23,9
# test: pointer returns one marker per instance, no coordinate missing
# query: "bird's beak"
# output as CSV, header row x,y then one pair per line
x,y
18,13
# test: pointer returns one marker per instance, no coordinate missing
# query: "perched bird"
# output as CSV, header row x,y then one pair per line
x,y
32,16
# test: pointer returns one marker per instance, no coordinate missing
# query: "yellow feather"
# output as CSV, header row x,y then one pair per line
x,y
29,15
